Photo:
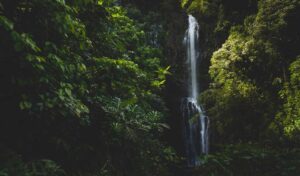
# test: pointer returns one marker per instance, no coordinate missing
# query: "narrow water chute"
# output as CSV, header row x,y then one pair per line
x,y
195,122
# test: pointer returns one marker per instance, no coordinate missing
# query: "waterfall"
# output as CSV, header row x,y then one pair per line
x,y
195,122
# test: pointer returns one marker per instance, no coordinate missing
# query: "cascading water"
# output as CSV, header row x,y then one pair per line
x,y
195,122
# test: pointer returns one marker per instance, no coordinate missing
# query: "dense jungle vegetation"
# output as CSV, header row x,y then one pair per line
x,y
92,87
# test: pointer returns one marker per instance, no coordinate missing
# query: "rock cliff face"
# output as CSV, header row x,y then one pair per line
x,y
175,87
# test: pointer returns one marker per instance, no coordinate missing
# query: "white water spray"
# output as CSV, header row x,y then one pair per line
x,y
195,121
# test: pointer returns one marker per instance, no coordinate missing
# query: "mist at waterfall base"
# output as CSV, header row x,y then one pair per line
x,y
195,122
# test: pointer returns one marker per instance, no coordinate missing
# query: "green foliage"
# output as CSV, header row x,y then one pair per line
x,y
250,78
130,131
12,164
206,7
81,84
249,160
291,96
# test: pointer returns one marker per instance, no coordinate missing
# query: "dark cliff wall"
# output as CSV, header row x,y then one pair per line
x,y
173,21
175,87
